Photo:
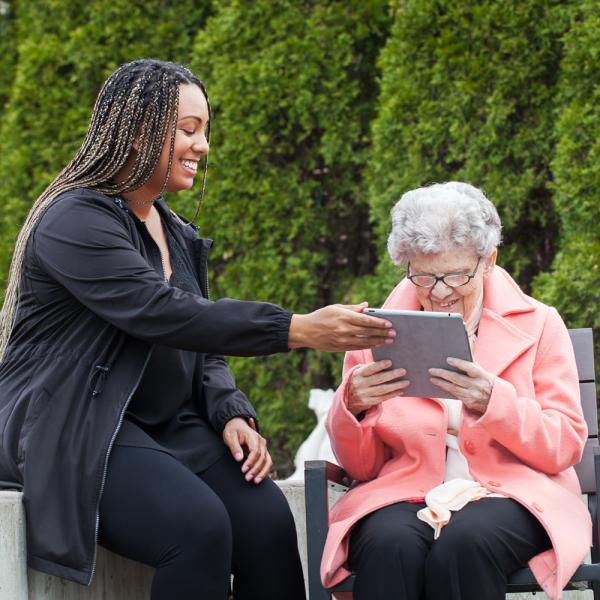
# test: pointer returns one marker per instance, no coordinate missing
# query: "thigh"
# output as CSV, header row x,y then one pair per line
x,y
500,526
493,536
152,504
265,549
394,526
388,550
257,512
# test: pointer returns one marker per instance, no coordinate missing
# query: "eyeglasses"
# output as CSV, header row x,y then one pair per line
x,y
452,280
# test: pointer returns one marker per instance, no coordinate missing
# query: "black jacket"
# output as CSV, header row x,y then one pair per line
x,y
91,307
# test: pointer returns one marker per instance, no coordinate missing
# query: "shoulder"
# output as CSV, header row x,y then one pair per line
x,y
81,207
82,218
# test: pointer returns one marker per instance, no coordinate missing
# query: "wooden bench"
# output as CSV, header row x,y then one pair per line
x,y
324,479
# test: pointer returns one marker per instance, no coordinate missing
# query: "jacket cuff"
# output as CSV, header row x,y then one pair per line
x,y
282,330
234,410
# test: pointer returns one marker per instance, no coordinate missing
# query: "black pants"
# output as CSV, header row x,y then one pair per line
x,y
395,556
197,529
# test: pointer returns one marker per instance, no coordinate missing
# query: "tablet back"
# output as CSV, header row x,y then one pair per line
x,y
424,340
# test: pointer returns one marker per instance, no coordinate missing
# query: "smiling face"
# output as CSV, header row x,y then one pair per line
x,y
190,143
442,298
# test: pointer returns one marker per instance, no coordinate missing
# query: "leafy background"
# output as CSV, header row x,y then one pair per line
x,y
325,112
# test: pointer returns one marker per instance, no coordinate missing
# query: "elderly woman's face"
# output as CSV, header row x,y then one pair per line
x,y
442,298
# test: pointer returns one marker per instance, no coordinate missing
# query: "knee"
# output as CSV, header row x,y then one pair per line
x,y
195,528
456,546
270,521
383,544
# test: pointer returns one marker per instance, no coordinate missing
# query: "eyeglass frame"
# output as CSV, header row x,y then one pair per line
x,y
442,278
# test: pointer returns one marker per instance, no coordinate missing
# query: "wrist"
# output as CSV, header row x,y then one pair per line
x,y
297,333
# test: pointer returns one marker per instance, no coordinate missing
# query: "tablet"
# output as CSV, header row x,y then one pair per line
x,y
424,340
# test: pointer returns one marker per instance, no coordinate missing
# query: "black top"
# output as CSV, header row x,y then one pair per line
x,y
163,413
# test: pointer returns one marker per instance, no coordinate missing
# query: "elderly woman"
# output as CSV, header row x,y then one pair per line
x,y
454,495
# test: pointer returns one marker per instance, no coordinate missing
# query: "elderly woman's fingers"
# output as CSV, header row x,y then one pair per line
x,y
374,373
473,389
452,376
373,367
363,396
470,368
390,389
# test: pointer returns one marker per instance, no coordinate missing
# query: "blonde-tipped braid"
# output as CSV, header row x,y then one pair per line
x,y
139,101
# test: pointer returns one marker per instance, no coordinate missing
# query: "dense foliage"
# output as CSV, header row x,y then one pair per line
x,y
468,93
324,113
573,285
293,91
8,50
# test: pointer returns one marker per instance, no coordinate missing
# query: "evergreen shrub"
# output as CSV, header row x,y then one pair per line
x,y
573,284
468,93
292,86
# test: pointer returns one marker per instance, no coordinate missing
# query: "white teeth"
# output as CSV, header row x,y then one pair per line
x,y
448,304
190,164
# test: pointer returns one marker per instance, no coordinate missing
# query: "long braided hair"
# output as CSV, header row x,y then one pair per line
x,y
138,102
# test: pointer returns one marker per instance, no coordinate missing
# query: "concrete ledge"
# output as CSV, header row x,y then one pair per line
x,y
13,572
118,578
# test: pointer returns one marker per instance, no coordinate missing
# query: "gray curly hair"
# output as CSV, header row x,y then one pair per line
x,y
442,217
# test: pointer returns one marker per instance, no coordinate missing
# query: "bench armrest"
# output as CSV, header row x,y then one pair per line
x,y
318,475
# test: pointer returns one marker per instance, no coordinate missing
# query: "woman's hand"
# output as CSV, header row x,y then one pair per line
x,y
237,435
371,384
339,328
473,387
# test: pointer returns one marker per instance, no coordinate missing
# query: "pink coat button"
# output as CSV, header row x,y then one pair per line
x,y
494,484
537,507
470,447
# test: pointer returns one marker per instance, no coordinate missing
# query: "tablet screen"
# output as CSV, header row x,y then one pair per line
x,y
424,340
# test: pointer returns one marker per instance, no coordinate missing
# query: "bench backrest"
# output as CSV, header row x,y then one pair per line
x,y
584,355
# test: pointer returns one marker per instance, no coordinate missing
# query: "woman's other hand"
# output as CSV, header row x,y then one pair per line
x,y
473,387
339,328
371,384
237,435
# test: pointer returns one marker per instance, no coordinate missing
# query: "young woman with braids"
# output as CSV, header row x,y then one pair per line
x,y
120,419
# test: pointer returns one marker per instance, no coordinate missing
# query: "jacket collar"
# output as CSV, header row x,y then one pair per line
x,y
499,340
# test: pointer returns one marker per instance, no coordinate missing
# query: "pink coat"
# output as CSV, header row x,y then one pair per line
x,y
524,446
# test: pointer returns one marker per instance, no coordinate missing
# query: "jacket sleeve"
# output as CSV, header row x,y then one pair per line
x,y
221,400
548,431
86,247
355,443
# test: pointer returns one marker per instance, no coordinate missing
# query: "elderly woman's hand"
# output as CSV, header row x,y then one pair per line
x,y
371,384
237,435
473,387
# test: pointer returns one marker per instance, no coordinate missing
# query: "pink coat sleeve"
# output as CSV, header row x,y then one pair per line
x,y
548,431
355,443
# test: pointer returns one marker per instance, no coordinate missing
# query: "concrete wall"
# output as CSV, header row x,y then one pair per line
x,y
117,578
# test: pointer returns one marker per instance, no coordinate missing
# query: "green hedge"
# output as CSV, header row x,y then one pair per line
x,y
8,50
292,86
573,285
468,93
